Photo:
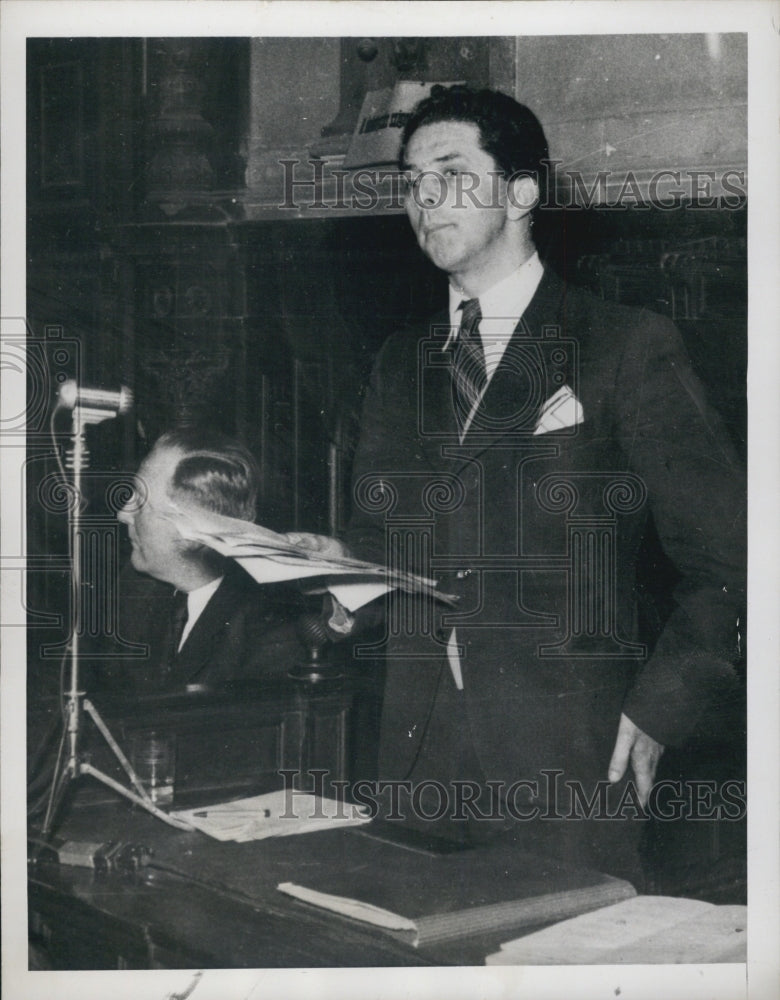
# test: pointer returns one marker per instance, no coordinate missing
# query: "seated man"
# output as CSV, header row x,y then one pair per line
x,y
202,620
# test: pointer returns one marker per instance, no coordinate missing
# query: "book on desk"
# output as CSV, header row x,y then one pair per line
x,y
426,898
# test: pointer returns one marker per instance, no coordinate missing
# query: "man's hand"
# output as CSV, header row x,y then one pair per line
x,y
644,753
324,545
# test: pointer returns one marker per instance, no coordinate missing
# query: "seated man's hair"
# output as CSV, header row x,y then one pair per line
x,y
216,472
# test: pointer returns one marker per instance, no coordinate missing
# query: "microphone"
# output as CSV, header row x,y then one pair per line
x,y
72,395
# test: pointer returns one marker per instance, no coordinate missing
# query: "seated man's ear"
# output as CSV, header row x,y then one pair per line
x,y
522,194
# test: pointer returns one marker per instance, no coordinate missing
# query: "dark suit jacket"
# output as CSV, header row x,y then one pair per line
x,y
245,632
537,535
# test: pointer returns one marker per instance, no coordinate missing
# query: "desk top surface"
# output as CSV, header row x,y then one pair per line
x,y
218,902
215,902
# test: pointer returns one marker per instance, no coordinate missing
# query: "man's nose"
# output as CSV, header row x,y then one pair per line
x,y
430,189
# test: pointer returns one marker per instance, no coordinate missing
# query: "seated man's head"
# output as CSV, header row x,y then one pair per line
x,y
192,467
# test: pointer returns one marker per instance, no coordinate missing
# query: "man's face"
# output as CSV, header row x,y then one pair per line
x,y
157,545
456,201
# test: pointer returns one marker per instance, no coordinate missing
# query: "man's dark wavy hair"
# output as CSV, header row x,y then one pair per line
x,y
216,472
509,132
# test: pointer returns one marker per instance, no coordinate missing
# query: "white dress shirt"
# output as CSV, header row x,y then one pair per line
x,y
196,602
502,305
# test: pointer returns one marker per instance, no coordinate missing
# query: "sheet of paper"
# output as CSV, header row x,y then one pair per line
x,y
354,595
645,929
283,813
269,557
354,908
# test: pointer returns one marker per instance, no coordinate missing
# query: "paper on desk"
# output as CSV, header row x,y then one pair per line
x,y
269,557
643,930
283,813
354,908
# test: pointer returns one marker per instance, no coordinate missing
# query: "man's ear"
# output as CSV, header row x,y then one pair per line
x,y
522,195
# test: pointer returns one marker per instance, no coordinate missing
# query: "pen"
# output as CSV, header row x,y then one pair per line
x,y
228,813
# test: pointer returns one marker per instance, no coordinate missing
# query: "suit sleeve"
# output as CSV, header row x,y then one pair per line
x,y
675,442
388,444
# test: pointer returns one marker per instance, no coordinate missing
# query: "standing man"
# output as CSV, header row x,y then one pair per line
x,y
516,448
202,620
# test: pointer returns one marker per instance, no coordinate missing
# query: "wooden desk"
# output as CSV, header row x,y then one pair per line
x,y
229,743
204,903
210,904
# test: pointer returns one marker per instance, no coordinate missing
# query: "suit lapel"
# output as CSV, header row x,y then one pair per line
x,y
524,378
199,648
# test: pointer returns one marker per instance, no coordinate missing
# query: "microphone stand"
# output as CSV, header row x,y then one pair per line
x,y
77,704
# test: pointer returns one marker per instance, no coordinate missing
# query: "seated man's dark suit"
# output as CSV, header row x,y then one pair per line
x,y
537,534
245,632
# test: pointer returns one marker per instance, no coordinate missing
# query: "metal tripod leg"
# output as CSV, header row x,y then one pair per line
x,y
57,793
140,796
74,767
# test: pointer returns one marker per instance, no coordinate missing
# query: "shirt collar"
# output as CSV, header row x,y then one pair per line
x,y
196,602
507,299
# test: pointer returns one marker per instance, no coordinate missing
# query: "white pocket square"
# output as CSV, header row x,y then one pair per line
x,y
561,410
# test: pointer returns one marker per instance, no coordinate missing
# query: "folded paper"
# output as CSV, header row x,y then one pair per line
x,y
269,557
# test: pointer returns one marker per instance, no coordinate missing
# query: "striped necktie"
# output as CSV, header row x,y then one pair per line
x,y
468,366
